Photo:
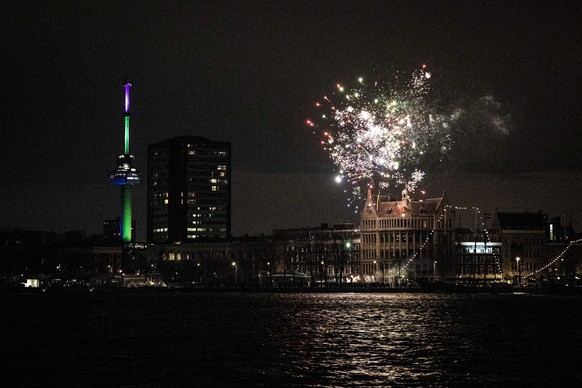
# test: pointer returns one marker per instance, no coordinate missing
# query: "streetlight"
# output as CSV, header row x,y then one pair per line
x,y
348,258
375,268
235,266
518,271
434,272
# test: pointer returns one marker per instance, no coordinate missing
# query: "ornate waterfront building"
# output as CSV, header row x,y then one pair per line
x,y
406,240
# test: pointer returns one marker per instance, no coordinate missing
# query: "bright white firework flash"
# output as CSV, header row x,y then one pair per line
x,y
383,133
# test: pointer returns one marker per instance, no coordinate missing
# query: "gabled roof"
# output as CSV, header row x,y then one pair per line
x,y
416,208
392,207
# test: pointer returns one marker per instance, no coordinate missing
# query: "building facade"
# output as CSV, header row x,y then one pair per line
x,y
326,254
478,257
406,240
524,237
189,190
289,258
214,263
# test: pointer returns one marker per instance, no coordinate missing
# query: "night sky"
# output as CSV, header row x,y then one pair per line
x,y
248,73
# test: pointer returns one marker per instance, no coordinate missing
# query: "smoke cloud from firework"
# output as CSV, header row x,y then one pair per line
x,y
388,134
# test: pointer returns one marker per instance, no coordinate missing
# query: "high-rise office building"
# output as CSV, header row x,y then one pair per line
x,y
189,192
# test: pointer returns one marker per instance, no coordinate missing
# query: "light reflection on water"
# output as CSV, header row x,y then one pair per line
x,y
246,339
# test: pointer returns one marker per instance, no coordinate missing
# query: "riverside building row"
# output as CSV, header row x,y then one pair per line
x,y
507,247
399,240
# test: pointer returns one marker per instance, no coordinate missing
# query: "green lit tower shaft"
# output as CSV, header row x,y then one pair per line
x,y
125,176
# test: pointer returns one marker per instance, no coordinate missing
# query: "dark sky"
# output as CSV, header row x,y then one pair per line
x,y
249,72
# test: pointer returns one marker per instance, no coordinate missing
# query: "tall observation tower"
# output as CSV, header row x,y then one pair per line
x,y
125,176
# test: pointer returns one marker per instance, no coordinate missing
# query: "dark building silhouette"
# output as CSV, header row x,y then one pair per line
x,y
111,231
297,257
524,237
189,195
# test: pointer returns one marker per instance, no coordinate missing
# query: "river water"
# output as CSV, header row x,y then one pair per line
x,y
155,339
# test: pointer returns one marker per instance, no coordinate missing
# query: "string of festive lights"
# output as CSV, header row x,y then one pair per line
x,y
428,238
559,257
497,262
487,238
552,262
426,241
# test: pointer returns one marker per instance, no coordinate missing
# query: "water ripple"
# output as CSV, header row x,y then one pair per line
x,y
315,340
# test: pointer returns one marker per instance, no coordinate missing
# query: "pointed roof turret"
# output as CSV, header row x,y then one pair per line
x,y
369,206
369,199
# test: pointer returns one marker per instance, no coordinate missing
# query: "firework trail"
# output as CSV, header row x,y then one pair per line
x,y
381,134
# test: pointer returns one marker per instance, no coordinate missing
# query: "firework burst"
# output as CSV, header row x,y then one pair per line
x,y
384,133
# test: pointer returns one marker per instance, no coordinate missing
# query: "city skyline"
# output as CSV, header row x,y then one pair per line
x,y
248,74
